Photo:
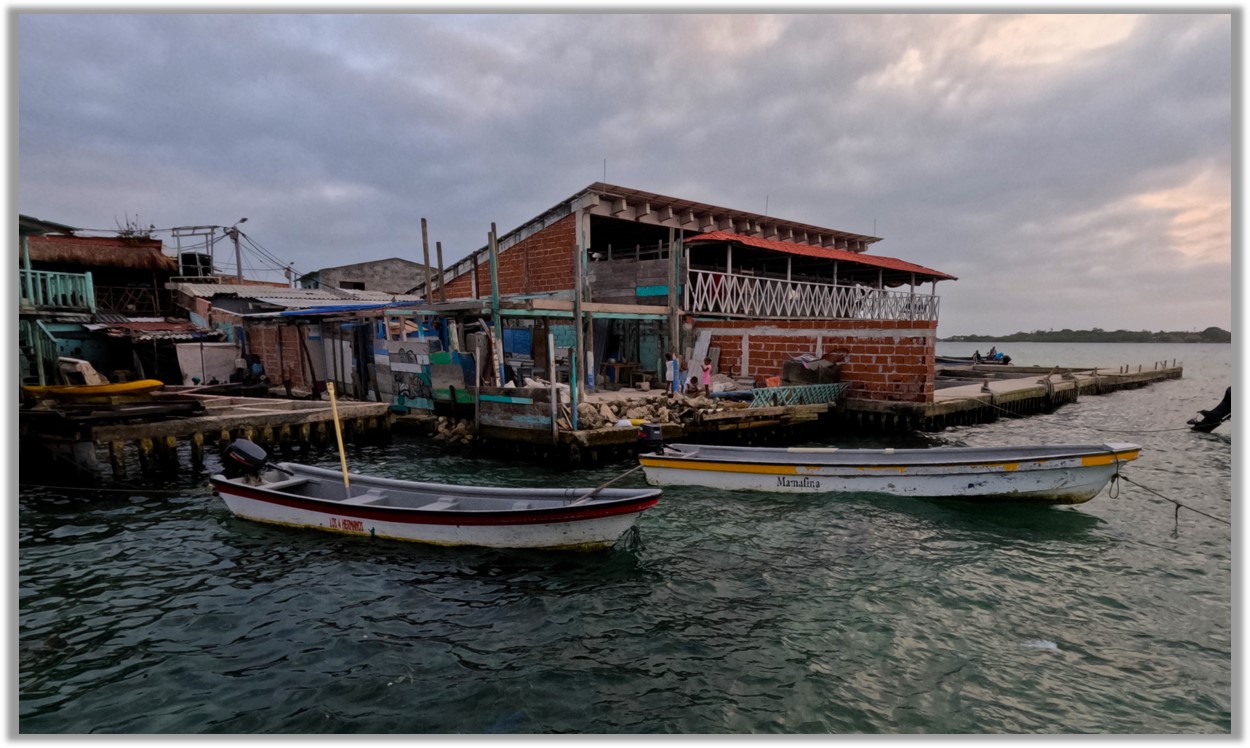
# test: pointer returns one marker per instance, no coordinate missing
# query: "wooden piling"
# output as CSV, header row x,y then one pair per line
x,y
117,459
145,447
197,451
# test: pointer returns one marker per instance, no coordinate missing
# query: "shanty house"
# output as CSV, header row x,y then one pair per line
x,y
301,336
97,298
758,290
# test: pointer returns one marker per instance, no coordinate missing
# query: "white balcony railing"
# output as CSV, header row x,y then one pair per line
x,y
730,295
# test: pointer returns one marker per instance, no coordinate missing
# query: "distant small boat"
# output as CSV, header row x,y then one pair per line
x,y
1053,474
434,513
81,391
971,360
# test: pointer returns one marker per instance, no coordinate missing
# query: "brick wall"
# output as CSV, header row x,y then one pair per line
x,y
263,340
885,361
540,263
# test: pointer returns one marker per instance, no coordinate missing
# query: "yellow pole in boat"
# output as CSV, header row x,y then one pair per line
x,y
338,433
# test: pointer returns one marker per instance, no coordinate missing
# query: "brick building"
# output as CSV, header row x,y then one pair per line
x,y
758,289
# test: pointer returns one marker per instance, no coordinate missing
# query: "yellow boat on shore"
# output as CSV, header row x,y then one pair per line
x,y
81,391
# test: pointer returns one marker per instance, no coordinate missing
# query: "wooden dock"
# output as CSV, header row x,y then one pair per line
x,y
1001,391
155,443
992,393
519,424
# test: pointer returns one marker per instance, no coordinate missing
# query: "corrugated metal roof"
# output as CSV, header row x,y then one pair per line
x,y
148,330
827,253
289,297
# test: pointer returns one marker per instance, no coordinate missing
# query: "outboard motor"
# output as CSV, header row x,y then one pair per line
x,y
652,436
243,457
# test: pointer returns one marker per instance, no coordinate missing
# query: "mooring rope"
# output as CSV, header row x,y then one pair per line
x,y
133,489
1179,505
1092,428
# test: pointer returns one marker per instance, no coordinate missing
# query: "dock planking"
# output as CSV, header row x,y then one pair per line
x,y
158,444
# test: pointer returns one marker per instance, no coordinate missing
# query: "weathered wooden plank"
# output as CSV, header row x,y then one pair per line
x,y
517,421
755,413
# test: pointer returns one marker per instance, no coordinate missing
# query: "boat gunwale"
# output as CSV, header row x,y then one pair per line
x,y
595,508
1115,450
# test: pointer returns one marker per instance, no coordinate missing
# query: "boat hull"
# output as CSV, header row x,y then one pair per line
x,y
1058,480
84,391
582,528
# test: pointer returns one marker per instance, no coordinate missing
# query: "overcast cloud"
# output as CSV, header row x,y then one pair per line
x,y
1072,170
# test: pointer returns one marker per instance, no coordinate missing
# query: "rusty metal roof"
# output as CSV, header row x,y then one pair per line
x,y
826,253
149,330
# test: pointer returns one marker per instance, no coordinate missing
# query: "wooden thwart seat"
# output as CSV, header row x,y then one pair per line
x,y
444,502
372,496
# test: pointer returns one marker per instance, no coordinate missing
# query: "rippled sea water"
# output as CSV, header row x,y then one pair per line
x,y
156,611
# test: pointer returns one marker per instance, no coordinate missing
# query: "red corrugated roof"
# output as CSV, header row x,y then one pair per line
x,y
826,253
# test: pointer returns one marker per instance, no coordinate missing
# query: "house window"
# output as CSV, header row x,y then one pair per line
x,y
352,285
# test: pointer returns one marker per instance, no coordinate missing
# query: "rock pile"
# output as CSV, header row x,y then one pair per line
x,y
453,431
661,408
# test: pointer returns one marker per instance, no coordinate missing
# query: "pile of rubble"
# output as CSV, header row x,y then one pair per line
x,y
453,431
661,408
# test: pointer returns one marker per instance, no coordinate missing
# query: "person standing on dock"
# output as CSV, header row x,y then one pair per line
x,y
670,372
707,377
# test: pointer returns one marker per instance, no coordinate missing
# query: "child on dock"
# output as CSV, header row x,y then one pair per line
x,y
707,377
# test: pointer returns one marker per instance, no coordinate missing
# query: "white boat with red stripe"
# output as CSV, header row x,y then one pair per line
x,y
436,513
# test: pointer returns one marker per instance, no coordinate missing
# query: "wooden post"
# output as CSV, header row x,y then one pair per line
x,y
674,264
573,389
117,458
145,453
590,351
169,452
197,451
477,384
425,250
555,391
494,302
442,291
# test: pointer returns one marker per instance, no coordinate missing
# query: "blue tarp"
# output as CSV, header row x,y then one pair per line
x,y
350,308
518,341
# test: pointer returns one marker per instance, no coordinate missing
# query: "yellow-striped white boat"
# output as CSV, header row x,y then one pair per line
x,y
1052,474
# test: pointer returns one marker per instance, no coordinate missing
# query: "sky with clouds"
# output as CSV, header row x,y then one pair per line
x,y
1071,170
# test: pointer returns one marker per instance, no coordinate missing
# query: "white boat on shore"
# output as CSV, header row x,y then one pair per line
x,y
1053,474
440,514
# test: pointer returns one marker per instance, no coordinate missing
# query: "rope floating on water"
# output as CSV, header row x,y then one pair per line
x,y
1091,428
1179,505
133,489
